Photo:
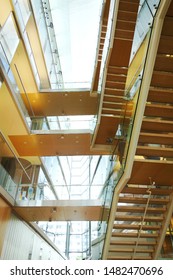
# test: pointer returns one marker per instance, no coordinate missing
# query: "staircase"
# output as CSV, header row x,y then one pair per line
x,y
114,109
139,222
145,205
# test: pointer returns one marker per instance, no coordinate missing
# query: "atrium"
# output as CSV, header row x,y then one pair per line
x,y
86,129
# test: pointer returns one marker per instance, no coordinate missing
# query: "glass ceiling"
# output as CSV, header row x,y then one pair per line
x,y
76,24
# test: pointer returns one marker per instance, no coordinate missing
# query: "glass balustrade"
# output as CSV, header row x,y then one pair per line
x,y
7,183
107,43
9,41
62,123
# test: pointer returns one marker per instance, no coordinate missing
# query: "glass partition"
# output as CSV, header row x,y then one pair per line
x,y
147,11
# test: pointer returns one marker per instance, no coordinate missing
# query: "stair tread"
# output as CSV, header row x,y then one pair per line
x,y
132,226
154,191
142,200
137,209
138,218
131,250
131,234
129,257
132,243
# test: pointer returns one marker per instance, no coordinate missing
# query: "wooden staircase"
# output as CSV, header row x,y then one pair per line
x,y
145,205
114,109
139,222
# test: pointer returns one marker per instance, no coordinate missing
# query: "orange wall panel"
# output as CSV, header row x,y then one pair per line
x,y
5,213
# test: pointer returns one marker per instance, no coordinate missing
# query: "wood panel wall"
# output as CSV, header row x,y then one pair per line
x,y
5,214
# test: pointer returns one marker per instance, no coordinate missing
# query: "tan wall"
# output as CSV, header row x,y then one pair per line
x,y
22,72
4,13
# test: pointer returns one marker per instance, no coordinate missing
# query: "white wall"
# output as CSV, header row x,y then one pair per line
x,y
22,242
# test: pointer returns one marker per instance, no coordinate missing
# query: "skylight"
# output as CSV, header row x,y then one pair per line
x,y
76,24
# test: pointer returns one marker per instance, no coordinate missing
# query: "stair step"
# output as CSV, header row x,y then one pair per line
x,y
117,70
154,151
131,250
162,95
129,257
131,234
116,77
159,110
126,15
117,85
126,25
138,218
132,243
112,98
156,124
140,190
124,34
136,227
114,91
126,6
139,209
156,138
142,200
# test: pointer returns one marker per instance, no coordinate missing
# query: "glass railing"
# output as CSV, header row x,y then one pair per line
x,y
5,65
62,123
43,17
107,43
167,248
28,192
7,183
23,12
71,86
147,11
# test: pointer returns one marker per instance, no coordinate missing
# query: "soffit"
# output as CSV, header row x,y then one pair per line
x,y
61,210
55,144
61,103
